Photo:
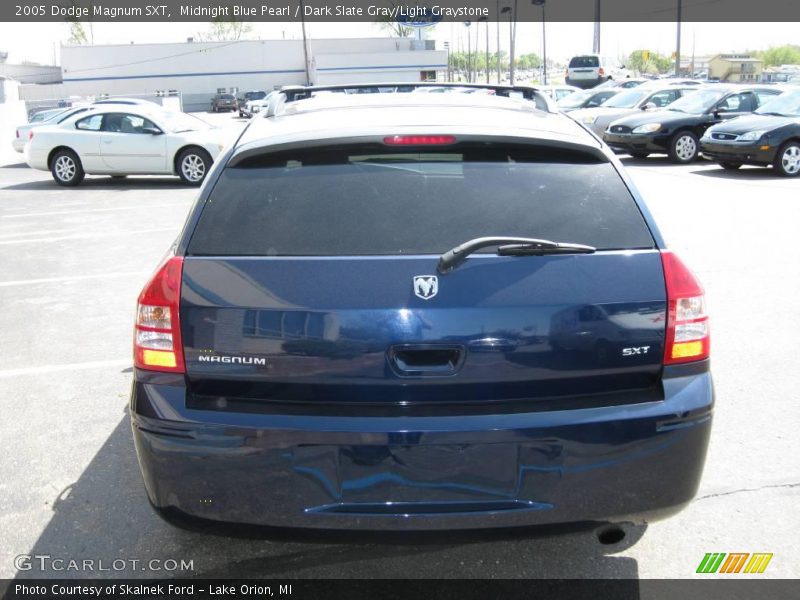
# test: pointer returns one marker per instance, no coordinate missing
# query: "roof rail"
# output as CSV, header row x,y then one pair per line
x,y
292,93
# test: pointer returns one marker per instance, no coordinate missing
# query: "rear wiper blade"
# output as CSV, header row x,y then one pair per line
x,y
508,246
771,114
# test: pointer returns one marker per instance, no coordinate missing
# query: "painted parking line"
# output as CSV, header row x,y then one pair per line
x,y
19,282
93,210
86,236
95,364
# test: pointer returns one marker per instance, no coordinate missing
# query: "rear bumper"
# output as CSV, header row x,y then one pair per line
x,y
622,463
738,152
628,142
584,83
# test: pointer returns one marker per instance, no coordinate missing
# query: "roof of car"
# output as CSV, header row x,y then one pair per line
x,y
333,116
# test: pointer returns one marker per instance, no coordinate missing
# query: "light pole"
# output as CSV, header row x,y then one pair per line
x,y
486,20
678,43
512,18
498,42
513,27
447,47
469,52
544,42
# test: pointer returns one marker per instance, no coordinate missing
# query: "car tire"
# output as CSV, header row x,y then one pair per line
x,y
787,160
730,166
66,168
193,165
640,154
683,147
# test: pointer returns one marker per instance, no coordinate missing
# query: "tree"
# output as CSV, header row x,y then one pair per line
x,y
529,61
394,27
646,61
775,56
221,30
77,34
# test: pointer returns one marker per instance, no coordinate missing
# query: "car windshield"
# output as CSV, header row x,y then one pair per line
x,y
627,99
226,96
575,99
177,122
786,104
697,102
255,95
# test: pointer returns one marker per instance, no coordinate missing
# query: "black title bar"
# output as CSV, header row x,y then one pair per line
x,y
415,13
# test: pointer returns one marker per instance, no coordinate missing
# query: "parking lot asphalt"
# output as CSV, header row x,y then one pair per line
x,y
72,262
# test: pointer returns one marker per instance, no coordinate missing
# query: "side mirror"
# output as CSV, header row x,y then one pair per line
x,y
152,130
649,106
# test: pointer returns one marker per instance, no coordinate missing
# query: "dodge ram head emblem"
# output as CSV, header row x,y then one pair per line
x,y
426,286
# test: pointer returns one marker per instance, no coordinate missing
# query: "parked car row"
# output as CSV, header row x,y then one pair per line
x,y
733,124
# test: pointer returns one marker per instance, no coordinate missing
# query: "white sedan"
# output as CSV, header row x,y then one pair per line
x,y
126,140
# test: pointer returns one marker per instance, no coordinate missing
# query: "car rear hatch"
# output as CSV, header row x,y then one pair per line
x,y
584,67
310,282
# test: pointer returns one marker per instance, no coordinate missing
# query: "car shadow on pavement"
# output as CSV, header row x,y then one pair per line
x,y
105,516
752,173
21,165
106,184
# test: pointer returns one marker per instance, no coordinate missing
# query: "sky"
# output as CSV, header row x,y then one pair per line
x,y
39,42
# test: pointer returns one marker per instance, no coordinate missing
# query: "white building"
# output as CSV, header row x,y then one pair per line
x,y
198,70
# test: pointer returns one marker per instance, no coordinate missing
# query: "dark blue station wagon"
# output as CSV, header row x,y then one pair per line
x,y
420,311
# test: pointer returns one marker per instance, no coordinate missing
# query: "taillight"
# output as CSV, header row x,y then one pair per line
x,y
601,72
688,337
17,133
30,134
157,342
419,140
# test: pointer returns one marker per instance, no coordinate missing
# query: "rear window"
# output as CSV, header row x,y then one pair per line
x,y
374,200
584,62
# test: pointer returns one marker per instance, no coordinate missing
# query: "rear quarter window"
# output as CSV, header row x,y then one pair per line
x,y
377,201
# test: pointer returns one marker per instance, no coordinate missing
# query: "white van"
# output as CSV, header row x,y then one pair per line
x,y
588,70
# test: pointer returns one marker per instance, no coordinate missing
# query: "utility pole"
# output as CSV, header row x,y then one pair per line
x,y
305,43
596,41
678,43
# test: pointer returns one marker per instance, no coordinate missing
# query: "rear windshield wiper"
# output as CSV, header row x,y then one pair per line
x,y
771,114
508,246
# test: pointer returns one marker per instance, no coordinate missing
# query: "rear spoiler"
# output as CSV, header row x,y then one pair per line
x,y
292,93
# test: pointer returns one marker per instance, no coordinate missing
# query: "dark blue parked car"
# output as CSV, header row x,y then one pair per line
x,y
419,311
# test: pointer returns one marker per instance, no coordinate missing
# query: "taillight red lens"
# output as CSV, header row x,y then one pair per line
x,y
688,336
30,135
157,344
17,133
419,140
601,71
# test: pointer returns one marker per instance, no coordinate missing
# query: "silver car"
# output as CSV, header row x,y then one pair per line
x,y
628,102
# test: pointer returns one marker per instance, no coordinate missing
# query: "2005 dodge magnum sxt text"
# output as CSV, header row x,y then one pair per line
x,y
420,311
